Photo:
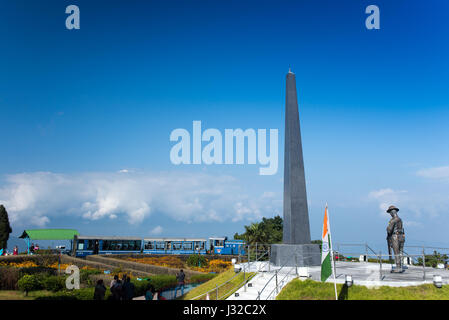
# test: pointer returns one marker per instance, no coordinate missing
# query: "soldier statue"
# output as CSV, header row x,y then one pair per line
x,y
395,238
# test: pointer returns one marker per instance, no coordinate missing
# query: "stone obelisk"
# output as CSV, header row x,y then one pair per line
x,y
296,213
296,248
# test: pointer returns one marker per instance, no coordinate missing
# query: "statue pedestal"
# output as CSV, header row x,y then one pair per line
x,y
291,255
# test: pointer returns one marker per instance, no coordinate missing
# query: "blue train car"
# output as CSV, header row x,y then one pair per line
x,y
223,246
174,246
87,245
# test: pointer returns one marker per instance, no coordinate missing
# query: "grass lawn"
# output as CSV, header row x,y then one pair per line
x,y
228,289
313,290
19,295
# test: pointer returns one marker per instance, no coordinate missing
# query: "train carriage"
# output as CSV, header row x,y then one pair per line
x,y
88,245
174,246
223,246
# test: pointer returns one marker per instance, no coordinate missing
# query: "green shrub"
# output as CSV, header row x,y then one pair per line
x,y
46,251
196,260
9,278
36,270
158,282
83,294
53,283
93,279
29,283
162,281
85,273
76,294
198,278
58,297
140,287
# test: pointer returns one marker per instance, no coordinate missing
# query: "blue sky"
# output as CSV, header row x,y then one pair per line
x,y
78,107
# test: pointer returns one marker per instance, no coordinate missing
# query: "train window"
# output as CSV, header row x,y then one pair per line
x,y
160,245
81,245
199,245
90,244
219,243
149,245
125,245
106,245
187,245
176,245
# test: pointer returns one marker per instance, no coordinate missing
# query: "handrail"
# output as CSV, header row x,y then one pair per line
x,y
384,255
205,293
282,281
275,275
237,286
252,262
337,244
368,247
268,261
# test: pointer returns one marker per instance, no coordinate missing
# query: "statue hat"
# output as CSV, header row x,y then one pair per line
x,y
392,208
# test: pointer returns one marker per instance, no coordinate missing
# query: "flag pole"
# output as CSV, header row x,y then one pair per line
x,y
332,253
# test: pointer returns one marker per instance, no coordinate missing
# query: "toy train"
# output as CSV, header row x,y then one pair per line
x,y
88,245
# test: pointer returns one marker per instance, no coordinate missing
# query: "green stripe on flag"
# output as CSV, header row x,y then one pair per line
x,y
326,268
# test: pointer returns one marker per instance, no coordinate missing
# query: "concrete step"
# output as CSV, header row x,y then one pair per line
x,y
263,282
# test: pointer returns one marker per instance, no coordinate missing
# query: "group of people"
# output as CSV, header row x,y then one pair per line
x,y
120,289
124,289
34,247
4,252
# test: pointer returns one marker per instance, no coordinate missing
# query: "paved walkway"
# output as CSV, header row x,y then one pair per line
x,y
370,274
264,282
363,273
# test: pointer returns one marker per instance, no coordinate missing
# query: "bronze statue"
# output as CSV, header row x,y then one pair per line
x,y
395,238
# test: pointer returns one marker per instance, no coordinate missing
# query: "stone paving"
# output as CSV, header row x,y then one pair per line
x,y
363,273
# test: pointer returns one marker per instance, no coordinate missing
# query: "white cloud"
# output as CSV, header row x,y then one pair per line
x,y
387,197
36,198
414,206
156,231
435,173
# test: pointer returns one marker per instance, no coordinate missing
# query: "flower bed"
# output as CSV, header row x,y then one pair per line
x,y
170,261
214,265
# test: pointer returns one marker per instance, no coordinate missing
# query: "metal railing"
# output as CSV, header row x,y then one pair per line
x,y
258,253
261,254
280,284
413,258
217,287
275,276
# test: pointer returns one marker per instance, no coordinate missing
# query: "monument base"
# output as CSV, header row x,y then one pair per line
x,y
301,255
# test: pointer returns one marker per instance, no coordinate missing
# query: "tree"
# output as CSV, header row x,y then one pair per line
x,y
434,259
5,228
269,230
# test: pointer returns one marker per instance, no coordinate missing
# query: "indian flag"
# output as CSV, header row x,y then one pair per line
x,y
326,262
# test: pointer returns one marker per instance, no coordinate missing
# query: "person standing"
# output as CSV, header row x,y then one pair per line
x,y
128,289
100,290
181,281
15,251
116,290
149,294
113,281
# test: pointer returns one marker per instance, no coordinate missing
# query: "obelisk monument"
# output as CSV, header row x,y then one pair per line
x,y
296,248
